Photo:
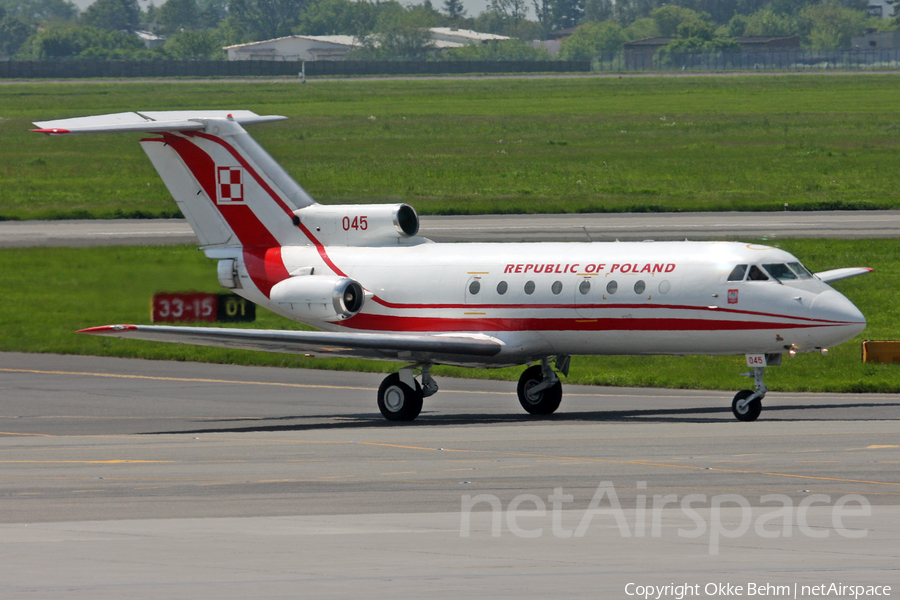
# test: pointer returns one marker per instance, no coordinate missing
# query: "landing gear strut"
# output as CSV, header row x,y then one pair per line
x,y
747,404
400,395
539,389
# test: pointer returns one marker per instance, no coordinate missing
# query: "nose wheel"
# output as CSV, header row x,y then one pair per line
x,y
747,404
745,407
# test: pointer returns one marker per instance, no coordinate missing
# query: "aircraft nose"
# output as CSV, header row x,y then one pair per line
x,y
834,306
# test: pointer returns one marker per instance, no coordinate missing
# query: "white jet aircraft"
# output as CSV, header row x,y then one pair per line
x,y
379,291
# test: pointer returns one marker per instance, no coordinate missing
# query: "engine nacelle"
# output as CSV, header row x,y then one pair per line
x,y
359,224
326,298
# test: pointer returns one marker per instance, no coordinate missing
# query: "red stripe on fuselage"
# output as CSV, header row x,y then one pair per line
x,y
583,307
398,323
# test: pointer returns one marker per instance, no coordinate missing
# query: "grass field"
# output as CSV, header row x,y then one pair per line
x,y
49,293
489,146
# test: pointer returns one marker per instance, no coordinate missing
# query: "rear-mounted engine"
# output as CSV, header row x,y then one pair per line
x,y
327,298
359,224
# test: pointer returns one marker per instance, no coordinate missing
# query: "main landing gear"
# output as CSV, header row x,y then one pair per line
x,y
747,404
539,389
400,395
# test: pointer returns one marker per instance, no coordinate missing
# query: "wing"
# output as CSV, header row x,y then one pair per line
x,y
454,348
838,274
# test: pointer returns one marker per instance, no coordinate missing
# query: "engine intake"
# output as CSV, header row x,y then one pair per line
x,y
326,298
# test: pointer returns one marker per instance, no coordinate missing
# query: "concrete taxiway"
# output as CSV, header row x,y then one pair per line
x,y
141,479
504,228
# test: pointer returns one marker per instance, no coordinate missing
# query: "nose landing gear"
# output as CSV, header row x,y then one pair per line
x,y
747,404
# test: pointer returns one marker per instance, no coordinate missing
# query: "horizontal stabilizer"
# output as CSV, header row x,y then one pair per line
x,y
838,274
152,121
389,346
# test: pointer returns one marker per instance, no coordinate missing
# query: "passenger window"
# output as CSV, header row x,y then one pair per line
x,y
800,270
756,274
780,272
737,274
474,287
584,287
556,288
502,287
611,287
529,287
639,287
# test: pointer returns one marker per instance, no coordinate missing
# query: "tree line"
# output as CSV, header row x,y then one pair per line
x,y
387,29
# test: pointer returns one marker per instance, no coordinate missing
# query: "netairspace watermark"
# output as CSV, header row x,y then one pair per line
x,y
775,517
720,590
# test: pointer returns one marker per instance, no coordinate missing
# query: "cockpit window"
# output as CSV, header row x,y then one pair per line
x,y
756,274
780,271
800,270
737,274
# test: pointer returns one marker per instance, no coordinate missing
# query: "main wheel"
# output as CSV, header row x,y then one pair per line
x,y
751,411
543,402
397,401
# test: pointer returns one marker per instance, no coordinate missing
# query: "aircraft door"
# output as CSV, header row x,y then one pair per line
x,y
585,294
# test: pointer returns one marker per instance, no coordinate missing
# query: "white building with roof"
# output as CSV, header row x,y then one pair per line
x,y
463,37
295,47
336,47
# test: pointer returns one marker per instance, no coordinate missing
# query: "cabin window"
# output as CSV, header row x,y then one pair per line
x,y
502,287
529,287
639,287
756,274
611,287
737,274
556,288
474,287
584,287
780,271
800,270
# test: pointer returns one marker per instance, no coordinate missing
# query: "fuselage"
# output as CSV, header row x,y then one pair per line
x,y
584,298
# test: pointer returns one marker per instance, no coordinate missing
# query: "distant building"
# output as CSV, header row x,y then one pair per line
x,y
876,40
764,43
463,37
646,48
150,40
881,9
295,47
336,47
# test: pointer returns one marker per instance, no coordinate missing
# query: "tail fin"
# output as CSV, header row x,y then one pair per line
x,y
229,189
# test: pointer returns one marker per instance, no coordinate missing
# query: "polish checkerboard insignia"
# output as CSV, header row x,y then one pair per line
x,y
231,184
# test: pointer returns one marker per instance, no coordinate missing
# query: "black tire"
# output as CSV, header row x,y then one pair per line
x,y
544,402
397,401
751,411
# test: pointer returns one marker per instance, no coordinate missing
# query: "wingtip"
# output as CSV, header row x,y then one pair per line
x,y
107,329
51,131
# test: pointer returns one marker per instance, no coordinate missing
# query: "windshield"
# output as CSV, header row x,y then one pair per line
x,y
780,271
756,274
737,274
800,270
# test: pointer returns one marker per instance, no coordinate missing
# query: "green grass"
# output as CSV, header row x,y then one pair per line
x,y
49,293
489,146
